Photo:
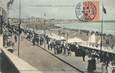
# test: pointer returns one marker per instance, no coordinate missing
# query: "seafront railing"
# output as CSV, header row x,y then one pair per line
x,y
93,46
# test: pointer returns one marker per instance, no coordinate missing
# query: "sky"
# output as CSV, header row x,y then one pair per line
x,y
61,9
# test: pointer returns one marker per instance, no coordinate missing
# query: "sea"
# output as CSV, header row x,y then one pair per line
x,y
107,27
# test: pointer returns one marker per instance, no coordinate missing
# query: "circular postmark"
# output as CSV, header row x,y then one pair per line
x,y
86,11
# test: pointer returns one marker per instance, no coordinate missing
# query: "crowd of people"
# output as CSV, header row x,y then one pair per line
x,y
60,47
10,38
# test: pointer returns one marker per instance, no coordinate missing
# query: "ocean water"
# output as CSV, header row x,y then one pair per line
x,y
108,27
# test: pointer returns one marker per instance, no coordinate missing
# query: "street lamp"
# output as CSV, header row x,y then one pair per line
x,y
44,29
19,27
1,20
103,12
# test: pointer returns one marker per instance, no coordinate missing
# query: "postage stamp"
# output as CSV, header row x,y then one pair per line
x,y
86,11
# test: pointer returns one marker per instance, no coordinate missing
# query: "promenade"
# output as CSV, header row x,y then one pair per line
x,y
42,60
45,60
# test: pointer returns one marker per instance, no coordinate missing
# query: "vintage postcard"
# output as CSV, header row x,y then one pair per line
x,y
57,36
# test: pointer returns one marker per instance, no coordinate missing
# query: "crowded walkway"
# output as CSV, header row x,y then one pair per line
x,y
80,57
63,51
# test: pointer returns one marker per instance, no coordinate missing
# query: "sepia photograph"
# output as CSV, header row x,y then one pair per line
x,y
57,36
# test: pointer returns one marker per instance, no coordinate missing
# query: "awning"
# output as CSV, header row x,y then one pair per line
x,y
75,40
56,37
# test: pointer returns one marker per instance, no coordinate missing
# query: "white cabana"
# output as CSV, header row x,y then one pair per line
x,y
56,37
72,40
92,38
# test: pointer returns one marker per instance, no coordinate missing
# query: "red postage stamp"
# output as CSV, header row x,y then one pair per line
x,y
87,11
